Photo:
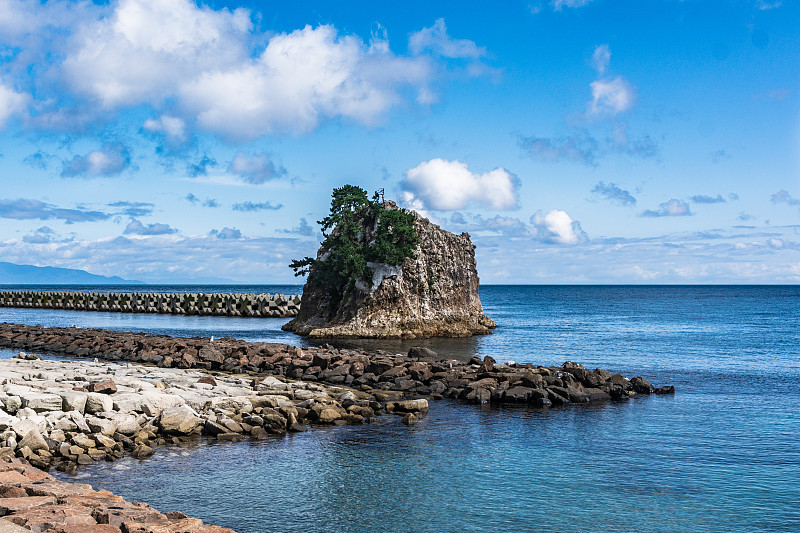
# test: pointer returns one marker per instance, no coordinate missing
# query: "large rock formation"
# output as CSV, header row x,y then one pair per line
x,y
434,294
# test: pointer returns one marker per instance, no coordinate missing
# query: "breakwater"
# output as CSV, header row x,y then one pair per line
x,y
200,304
419,373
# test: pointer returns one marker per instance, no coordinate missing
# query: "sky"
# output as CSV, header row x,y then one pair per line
x,y
576,141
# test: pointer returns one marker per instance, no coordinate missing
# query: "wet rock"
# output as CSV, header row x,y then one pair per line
x,y
518,394
642,386
421,353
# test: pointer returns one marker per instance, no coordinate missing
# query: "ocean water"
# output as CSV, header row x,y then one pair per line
x,y
722,454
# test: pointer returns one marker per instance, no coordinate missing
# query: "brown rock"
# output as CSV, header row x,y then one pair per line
x,y
106,386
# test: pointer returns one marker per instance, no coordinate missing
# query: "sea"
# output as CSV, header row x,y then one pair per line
x,y
721,455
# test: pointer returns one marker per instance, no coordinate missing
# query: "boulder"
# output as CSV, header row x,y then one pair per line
x,y
34,441
419,352
642,386
98,403
178,420
73,401
408,406
518,394
101,425
126,423
106,386
42,402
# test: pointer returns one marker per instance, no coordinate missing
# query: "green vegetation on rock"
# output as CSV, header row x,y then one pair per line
x,y
358,230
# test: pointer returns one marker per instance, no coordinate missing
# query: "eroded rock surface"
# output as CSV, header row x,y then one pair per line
x,y
31,500
434,294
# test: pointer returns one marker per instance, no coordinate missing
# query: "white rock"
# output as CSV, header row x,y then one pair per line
x,y
239,404
98,403
73,400
125,423
178,420
101,425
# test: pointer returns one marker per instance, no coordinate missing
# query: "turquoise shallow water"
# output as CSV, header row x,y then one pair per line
x,y
721,455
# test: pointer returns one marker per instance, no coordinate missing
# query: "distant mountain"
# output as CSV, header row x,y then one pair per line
x,y
11,274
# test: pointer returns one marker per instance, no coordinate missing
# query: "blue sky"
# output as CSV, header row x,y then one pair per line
x,y
577,141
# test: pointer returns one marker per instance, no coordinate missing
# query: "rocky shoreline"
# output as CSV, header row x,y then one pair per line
x,y
153,390
70,413
32,500
420,373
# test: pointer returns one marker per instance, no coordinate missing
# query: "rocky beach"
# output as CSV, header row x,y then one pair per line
x,y
119,394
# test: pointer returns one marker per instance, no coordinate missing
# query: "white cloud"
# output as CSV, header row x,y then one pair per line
x,y
210,68
11,103
173,128
557,227
670,208
448,185
255,169
600,58
109,161
135,227
301,78
146,48
436,40
611,96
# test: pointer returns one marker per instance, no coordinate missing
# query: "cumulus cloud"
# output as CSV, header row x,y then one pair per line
x,y
670,208
111,160
135,227
226,233
614,193
601,58
448,185
783,196
256,169
11,103
301,78
558,227
436,40
611,96
142,51
208,69
26,209
260,206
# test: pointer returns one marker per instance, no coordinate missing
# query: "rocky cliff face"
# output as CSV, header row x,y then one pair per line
x,y
434,294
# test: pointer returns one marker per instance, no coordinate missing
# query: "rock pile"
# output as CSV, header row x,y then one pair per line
x,y
418,374
38,502
71,413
